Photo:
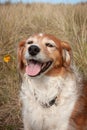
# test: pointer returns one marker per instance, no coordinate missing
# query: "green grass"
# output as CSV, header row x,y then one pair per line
x,y
18,22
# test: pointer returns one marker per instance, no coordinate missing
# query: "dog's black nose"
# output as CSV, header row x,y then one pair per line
x,y
34,50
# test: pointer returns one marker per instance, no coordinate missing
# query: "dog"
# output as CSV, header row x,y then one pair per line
x,y
53,94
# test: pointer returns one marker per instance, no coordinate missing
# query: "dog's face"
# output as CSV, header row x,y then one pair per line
x,y
43,54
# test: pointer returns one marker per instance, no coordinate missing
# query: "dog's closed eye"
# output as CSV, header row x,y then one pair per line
x,y
29,42
49,45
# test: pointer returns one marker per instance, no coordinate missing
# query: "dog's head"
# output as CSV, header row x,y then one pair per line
x,y
43,54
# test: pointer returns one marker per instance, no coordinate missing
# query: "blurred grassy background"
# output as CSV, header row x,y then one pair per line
x,y
19,21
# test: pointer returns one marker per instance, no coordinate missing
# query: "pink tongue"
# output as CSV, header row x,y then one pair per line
x,y
33,69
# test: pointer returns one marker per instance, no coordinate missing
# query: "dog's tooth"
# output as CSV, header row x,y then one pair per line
x,y
44,64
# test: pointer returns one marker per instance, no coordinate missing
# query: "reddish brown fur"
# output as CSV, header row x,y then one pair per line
x,y
20,55
60,45
79,115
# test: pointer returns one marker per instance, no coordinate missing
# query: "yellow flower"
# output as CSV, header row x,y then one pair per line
x,y
7,58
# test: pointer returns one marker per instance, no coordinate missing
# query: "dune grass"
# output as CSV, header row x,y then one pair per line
x,y
18,22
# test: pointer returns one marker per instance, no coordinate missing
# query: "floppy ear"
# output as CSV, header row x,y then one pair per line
x,y
66,51
20,54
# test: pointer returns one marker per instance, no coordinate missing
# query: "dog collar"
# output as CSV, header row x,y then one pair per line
x,y
50,103
47,104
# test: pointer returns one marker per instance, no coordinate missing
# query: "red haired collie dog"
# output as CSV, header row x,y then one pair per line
x,y
52,92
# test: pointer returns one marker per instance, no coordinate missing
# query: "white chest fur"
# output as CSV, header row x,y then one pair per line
x,y
56,117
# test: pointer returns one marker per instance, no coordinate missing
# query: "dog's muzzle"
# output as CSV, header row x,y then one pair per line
x,y
36,66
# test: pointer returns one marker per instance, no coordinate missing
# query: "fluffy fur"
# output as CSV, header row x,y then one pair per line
x,y
60,84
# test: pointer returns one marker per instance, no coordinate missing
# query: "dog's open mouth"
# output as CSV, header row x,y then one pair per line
x,y
35,67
